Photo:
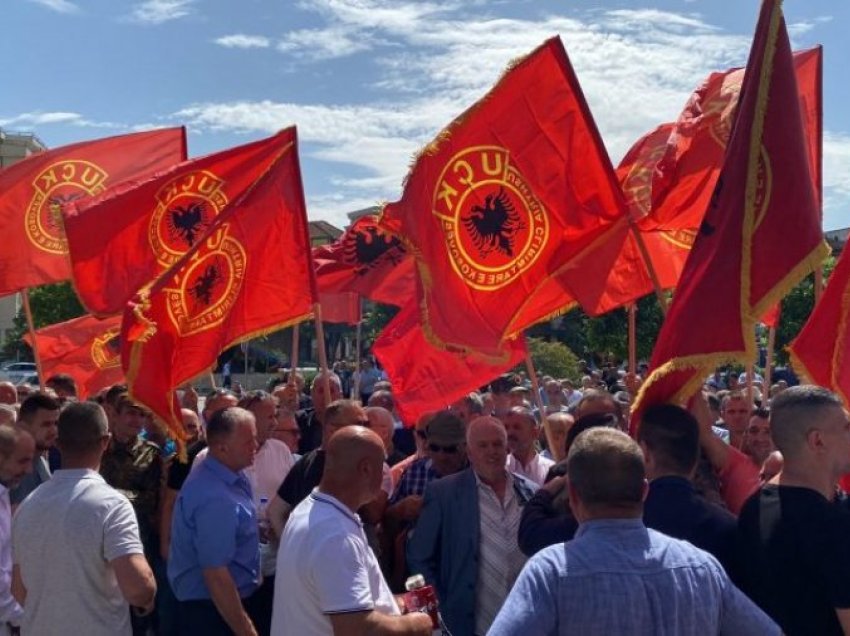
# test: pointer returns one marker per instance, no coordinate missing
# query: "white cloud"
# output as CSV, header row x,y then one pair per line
x,y
242,41
159,11
836,179
796,29
60,6
38,118
324,44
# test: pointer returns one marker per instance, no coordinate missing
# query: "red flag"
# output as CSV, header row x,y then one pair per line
x,y
427,378
771,316
125,238
669,174
368,261
819,353
249,274
517,190
760,235
33,191
85,348
342,307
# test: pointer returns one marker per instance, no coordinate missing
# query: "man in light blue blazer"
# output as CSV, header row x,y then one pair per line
x,y
464,542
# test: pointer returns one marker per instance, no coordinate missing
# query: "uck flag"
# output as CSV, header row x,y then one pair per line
x,y
248,274
669,174
86,348
426,378
34,191
123,239
761,233
368,261
820,351
504,203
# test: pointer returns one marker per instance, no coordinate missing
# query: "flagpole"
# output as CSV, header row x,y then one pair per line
x,y
771,343
633,339
535,389
355,390
212,380
293,358
323,354
653,275
25,296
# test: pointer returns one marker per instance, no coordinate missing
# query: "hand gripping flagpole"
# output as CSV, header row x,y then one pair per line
x,y
25,296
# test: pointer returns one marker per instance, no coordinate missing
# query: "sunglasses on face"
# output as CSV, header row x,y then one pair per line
x,y
437,448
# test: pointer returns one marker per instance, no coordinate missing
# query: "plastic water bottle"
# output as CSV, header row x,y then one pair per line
x,y
263,523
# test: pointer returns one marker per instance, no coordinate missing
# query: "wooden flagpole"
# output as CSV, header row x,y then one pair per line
x,y
653,275
293,358
633,339
771,343
25,296
355,389
535,389
323,354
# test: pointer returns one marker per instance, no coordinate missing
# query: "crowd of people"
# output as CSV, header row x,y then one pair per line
x,y
300,512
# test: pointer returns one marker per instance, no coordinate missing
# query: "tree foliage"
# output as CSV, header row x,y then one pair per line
x,y
50,304
553,358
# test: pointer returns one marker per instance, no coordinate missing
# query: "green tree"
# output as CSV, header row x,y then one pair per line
x,y
50,304
553,358
609,333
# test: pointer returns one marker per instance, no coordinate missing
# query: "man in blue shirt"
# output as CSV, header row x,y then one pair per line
x,y
617,576
214,561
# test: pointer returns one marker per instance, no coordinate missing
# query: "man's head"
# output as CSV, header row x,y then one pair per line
x,y
500,391
381,421
354,463
554,393
522,430
487,446
596,401
218,400
263,406
758,443
420,430
8,414
232,437
342,413
83,435
559,426
321,400
17,450
607,478
287,430
110,402
468,407
519,396
383,399
735,411
8,393
191,424
39,416
24,391
64,385
446,443
132,419
669,437
812,431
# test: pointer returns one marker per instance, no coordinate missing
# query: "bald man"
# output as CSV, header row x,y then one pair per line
x,y
8,393
465,540
328,579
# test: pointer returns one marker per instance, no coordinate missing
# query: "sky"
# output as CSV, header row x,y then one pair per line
x,y
369,82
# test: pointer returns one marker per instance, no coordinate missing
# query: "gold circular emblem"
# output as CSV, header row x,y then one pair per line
x,y
106,349
185,208
55,186
494,226
680,238
208,284
719,107
637,186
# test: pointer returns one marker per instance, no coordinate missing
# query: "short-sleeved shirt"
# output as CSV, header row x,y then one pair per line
x,y
795,558
619,577
303,478
64,535
325,566
214,525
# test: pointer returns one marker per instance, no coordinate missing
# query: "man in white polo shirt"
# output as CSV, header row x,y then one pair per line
x,y
328,579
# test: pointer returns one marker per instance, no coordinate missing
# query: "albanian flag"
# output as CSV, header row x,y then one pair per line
x,y
760,236
506,202
34,191
368,261
86,348
248,274
427,378
125,238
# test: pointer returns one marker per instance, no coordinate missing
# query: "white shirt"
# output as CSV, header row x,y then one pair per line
x,y
65,534
536,469
10,611
325,566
